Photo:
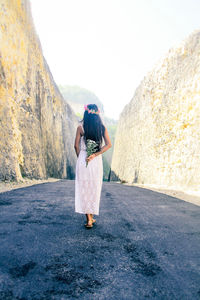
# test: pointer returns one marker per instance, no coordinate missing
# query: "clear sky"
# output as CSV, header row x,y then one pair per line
x,y
108,46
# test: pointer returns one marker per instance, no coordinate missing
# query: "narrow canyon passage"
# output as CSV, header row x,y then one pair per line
x,y
145,245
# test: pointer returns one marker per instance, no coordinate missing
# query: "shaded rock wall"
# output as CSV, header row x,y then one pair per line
x,y
158,135
37,127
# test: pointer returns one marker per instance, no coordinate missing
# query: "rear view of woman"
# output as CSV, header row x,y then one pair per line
x,y
89,170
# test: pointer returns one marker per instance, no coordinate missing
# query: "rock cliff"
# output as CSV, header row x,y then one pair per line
x,y
158,135
37,127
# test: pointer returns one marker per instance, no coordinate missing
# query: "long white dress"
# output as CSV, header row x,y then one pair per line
x,y
88,182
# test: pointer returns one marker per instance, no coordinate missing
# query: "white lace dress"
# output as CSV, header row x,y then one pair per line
x,y
88,182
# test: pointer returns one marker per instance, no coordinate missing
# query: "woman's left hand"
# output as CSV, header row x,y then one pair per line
x,y
91,157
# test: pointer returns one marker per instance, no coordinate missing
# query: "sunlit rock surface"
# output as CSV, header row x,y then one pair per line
x,y
37,127
158,135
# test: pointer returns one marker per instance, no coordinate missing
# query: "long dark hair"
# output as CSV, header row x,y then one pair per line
x,y
92,125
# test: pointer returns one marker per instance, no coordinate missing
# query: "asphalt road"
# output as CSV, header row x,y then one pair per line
x,y
145,245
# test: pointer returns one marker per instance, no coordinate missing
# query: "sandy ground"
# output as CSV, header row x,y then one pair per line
x,y
188,196
8,186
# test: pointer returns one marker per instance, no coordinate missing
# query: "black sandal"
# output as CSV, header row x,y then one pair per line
x,y
93,221
89,225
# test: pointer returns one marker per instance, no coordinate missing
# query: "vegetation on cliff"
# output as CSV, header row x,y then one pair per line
x,y
77,97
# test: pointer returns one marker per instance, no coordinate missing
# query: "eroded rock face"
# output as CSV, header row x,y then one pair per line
x,y
37,127
158,135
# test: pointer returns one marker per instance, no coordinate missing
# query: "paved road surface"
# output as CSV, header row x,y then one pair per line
x,y
145,245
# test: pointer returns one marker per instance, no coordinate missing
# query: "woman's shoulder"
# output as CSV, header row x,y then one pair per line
x,y
104,128
80,124
80,127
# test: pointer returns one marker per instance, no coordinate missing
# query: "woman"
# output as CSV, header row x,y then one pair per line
x,y
89,176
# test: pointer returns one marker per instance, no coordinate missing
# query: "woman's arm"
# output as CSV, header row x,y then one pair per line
x,y
77,140
107,146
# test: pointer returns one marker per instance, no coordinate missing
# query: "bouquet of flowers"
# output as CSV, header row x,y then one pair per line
x,y
91,147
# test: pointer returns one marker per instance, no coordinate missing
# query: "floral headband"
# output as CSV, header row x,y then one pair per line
x,y
91,111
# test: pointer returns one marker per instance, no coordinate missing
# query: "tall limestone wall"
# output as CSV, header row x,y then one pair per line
x,y
158,135
37,127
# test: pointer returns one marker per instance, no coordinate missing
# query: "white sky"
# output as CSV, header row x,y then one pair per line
x,y
108,46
